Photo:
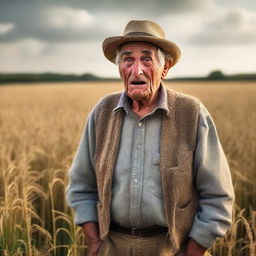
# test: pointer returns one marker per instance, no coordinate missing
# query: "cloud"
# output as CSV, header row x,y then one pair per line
x,y
81,20
50,24
137,6
75,19
5,28
234,26
34,56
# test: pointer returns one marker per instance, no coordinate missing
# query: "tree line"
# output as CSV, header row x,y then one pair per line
x,y
216,75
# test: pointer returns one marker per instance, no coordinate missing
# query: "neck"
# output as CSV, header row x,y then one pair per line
x,y
144,107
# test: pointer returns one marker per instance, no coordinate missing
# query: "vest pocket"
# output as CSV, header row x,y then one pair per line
x,y
185,206
181,182
183,220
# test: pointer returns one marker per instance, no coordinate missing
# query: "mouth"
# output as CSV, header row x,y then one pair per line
x,y
137,82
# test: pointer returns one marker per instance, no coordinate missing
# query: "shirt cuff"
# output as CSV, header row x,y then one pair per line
x,y
202,233
86,212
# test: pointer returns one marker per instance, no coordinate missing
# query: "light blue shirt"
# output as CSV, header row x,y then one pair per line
x,y
137,199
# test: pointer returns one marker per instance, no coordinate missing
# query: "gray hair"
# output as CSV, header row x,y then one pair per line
x,y
162,56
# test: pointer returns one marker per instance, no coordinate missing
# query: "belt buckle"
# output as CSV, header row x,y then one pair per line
x,y
136,232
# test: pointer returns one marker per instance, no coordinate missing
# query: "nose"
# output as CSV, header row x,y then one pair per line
x,y
137,69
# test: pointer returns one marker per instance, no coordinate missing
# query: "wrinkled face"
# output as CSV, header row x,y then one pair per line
x,y
140,70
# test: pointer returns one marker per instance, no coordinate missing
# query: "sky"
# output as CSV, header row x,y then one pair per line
x,y
66,36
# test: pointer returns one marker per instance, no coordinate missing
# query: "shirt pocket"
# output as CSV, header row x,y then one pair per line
x,y
156,160
153,181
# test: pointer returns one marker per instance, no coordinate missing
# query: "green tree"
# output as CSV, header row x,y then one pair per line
x,y
216,75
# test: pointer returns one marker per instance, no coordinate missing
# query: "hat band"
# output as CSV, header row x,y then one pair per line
x,y
139,34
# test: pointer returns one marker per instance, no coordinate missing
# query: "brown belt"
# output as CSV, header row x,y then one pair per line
x,y
143,232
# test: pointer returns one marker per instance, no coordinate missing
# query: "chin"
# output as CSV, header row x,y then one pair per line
x,y
138,96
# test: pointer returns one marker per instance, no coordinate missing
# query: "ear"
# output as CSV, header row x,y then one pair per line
x,y
167,66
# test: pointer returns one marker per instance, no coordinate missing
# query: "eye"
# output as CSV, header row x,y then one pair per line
x,y
128,59
147,59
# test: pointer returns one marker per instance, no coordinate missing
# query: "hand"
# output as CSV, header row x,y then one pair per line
x,y
93,247
91,231
193,249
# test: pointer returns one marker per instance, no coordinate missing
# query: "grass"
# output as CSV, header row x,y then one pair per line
x,y
40,127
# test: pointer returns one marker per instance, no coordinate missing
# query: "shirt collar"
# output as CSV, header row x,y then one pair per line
x,y
125,102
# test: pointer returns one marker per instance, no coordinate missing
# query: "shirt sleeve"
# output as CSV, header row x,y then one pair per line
x,y
214,184
81,193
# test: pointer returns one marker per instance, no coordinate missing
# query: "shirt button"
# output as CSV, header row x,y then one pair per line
x,y
135,180
140,124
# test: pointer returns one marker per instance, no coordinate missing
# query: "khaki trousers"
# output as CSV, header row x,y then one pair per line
x,y
119,244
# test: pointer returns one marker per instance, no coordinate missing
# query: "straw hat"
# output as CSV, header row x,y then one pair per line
x,y
142,31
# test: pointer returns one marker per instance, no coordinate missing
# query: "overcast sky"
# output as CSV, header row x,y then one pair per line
x,y
66,36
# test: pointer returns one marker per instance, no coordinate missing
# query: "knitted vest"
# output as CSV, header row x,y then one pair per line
x,y
178,140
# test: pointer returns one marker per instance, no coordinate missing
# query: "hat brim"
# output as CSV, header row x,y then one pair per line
x,y
111,44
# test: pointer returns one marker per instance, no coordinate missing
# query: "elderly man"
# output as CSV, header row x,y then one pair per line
x,y
149,176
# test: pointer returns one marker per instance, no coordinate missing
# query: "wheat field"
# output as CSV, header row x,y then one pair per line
x,y
40,128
